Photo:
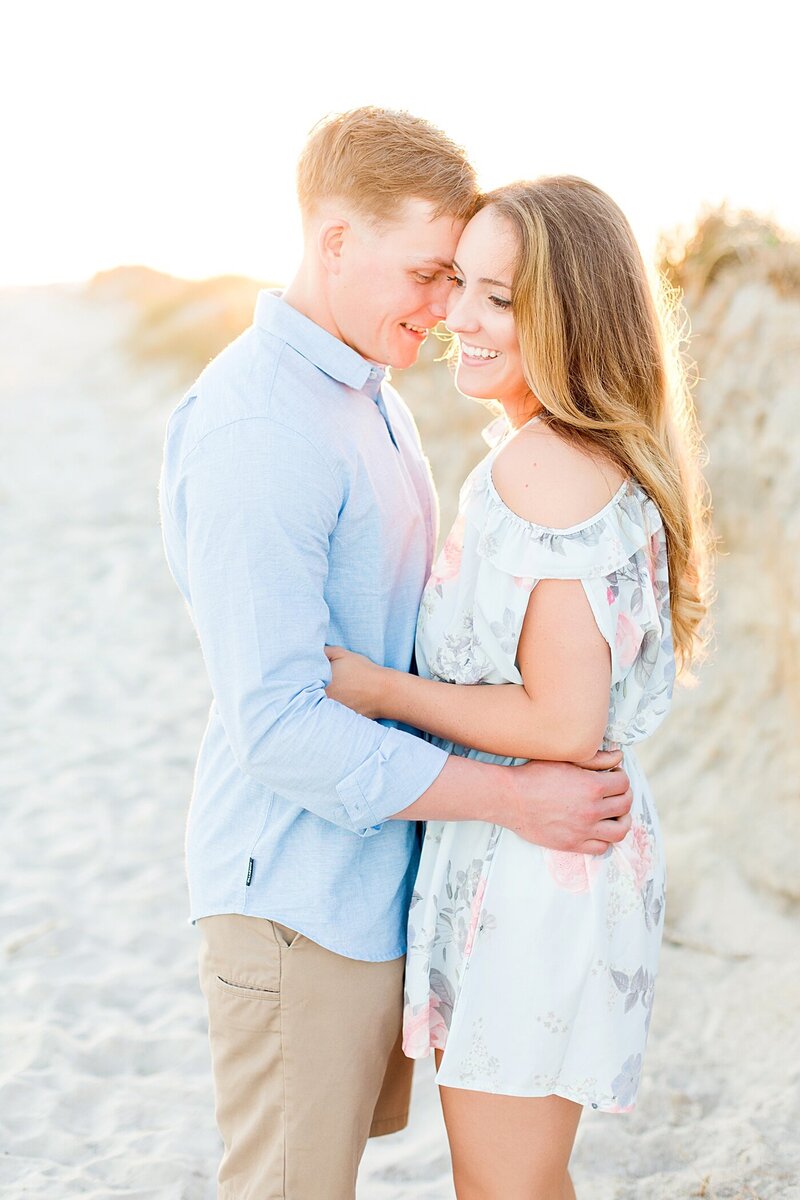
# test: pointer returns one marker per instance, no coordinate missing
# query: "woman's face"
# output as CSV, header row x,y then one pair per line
x,y
479,312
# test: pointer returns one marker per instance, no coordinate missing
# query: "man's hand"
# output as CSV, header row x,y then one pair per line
x,y
567,807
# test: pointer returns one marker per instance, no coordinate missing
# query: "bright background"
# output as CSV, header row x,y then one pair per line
x,y
166,132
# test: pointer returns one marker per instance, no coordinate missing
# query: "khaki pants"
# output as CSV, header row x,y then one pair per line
x,y
305,1049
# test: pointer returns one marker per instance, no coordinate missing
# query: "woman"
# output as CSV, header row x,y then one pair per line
x,y
578,555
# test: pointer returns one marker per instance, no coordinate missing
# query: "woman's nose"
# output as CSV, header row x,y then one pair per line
x,y
460,318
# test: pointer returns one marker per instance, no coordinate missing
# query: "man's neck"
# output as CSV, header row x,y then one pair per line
x,y
308,296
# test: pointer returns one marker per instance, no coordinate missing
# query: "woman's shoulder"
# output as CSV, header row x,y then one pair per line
x,y
545,511
550,481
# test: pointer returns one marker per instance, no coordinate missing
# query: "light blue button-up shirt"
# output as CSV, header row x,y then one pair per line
x,y
298,510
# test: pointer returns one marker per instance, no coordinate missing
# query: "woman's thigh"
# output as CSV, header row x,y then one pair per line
x,y
509,1147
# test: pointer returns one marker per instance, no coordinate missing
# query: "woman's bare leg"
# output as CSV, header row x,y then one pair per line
x,y
509,1147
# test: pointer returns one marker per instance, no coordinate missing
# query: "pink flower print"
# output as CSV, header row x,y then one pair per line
x,y
636,853
474,916
609,596
525,582
448,563
642,856
573,872
423,1029
628,640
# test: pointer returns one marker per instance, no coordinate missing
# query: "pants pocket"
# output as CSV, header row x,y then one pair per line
x,y
238,1006
240,973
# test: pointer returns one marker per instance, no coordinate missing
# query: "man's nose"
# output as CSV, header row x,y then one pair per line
x,y
438,301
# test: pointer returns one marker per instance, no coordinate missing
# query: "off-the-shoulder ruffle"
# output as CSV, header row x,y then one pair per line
x,y
594,548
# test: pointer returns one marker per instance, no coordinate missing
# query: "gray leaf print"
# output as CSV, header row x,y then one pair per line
x,y
591,535
638,986
554,542
652,905
505,632
626,1083
621,980
443,990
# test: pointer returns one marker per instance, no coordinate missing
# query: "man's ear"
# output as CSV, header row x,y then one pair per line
x,y
330,241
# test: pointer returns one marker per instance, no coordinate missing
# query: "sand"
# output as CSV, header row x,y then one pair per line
x,y
105,1088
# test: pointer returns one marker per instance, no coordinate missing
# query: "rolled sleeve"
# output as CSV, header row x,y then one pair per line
x,y
389,780
260,506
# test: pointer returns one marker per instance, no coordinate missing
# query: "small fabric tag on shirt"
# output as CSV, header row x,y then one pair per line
x,y
250,872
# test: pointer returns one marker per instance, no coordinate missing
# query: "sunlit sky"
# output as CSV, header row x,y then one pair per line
x,y
166,132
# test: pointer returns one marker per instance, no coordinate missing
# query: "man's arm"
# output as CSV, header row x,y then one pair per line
x,y
259,506
558,805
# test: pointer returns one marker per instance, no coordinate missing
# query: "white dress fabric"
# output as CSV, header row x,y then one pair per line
x,y
533,969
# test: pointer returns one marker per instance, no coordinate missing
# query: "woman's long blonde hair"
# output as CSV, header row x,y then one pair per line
x,y
601,353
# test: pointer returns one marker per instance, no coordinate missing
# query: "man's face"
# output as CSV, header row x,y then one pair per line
x,y
393,282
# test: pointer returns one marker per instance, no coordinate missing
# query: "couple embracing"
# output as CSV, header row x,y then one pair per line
x,y
391,849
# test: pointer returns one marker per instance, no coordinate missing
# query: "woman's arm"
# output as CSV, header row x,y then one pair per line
x,y
560,712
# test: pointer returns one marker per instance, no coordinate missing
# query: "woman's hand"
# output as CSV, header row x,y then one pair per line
x,y
357,682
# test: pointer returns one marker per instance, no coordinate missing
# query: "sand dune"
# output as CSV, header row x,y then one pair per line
x,y
105,1088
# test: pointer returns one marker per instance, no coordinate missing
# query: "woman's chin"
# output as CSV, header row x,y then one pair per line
x,y
471,387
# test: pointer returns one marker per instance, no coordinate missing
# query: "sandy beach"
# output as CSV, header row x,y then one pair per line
x,y
105,1087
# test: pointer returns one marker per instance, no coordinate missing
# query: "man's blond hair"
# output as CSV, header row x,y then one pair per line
x,y
375,158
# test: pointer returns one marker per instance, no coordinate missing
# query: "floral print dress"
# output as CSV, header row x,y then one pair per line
x,y
533,969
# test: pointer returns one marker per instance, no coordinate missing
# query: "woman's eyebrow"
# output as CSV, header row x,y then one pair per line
x,y
491,282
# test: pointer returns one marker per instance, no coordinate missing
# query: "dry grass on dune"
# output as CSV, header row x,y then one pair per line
x,y
722,240
181,320
740,276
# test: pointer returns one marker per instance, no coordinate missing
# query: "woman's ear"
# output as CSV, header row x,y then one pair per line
x,y
330,241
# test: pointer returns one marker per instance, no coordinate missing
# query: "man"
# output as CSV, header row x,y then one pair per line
x,y
297,511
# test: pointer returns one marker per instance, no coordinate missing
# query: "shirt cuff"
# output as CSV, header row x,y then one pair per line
x,y
394,776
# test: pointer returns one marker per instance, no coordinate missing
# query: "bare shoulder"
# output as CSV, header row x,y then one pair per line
x,y
550,481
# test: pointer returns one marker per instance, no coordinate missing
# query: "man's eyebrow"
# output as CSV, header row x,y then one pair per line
x,y
445,263
494,282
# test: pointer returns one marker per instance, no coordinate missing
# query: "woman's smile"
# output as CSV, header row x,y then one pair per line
x,y
477,356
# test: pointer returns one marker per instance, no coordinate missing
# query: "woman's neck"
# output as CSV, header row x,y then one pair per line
x,y
518,415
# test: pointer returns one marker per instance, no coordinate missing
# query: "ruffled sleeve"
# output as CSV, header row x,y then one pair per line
x,y
619,555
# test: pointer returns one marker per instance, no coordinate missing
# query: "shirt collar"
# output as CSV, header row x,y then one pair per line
x,y
321,348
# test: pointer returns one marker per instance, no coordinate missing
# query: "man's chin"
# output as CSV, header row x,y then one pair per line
x,y
404,357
